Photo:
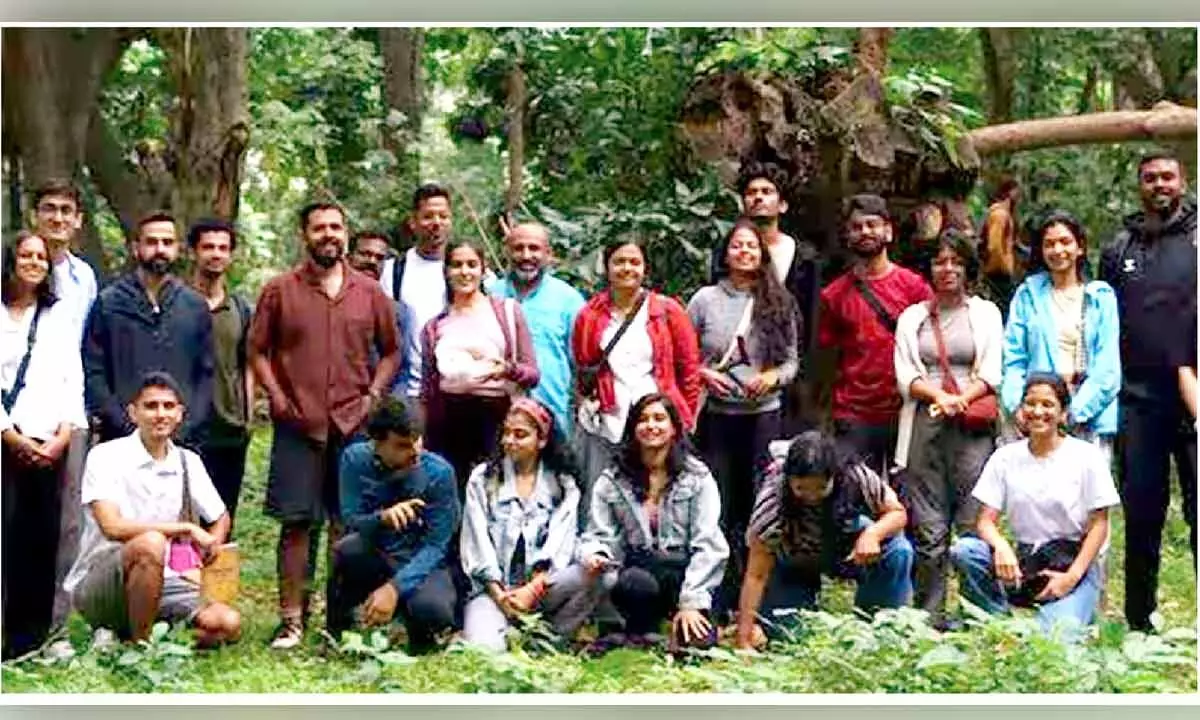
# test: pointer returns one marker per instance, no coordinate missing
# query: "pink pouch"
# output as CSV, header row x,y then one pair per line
x,y
183,556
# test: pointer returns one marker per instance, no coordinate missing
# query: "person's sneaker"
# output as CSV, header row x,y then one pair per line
x,y
288,635
103,639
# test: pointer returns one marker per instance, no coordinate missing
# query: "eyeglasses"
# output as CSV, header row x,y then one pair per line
x,y
52,209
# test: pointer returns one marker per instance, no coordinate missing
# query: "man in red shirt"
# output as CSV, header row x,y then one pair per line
x,y
858,320
314,335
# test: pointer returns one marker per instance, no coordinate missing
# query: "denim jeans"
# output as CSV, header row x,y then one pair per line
x,y
973,559
886,583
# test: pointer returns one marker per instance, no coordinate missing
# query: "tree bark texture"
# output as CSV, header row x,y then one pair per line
x,y
1166,122
401,49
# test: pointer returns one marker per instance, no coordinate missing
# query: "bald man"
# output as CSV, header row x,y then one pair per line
x,y
550,306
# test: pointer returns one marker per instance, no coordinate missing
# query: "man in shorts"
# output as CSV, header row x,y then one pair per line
x,y
325,349
143,542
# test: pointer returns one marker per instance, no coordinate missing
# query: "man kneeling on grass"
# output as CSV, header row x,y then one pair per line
x,y
142,549
400,507
818,512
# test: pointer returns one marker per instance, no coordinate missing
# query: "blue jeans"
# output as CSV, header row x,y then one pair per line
x,y
973,559
887,583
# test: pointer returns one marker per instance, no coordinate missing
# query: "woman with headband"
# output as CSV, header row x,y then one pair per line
x,y
520,513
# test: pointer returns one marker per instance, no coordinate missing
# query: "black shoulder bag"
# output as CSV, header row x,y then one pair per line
x,y
588,373
10,396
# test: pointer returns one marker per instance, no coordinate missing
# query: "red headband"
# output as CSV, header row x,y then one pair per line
x,y
536,411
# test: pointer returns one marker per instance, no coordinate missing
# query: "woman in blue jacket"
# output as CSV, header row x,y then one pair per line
x,y
1061,323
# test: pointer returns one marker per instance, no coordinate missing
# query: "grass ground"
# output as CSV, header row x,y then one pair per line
x,y
833,652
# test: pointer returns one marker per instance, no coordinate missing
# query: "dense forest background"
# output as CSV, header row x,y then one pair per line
x,y
592,131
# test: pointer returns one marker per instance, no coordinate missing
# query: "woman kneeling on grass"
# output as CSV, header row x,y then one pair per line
x,y
1055,491
819,512
653,541
519,531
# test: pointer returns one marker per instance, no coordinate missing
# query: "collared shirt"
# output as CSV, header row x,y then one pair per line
x,y
53,390
320,347
496,519
123,472
76,286
550,310
367,486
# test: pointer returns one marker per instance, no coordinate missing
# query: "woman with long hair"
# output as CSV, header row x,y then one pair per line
x,y
1064,324
476,355
41,375
629,341
947,368
520,529
749,329
1054,491
653,541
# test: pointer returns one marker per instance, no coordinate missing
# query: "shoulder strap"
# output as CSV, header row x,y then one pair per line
x,y
637,307
186,512
885,318
398,273
948,380
510,319
10,397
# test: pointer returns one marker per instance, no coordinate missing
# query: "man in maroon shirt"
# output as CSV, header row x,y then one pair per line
x,y
858,320
311,345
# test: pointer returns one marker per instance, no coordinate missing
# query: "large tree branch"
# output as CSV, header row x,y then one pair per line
x,y
1166,122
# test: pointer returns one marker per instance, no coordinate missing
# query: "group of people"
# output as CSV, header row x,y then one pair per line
x,y
481,443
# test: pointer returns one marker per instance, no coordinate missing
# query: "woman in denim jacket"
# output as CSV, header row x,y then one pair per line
x,y
519,531
653,542
1061,324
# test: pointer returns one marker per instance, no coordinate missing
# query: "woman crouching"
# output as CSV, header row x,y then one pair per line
x,y
519,532
1055,491
653,541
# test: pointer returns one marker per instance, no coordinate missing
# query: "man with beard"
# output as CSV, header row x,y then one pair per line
x,y
819,512
227,433
858,321
311,341
416,277
798,266
550,306
1152,266
369,252
148,320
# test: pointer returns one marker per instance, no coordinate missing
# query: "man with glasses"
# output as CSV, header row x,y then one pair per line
x,y
369,252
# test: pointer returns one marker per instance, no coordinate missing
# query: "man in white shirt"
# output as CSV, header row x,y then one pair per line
x,y
58,218
143,549
416,277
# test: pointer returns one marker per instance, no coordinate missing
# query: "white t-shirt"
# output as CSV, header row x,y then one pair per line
x,y
53,390
76,287
423,289
782,254
632,363
122,471
1047,498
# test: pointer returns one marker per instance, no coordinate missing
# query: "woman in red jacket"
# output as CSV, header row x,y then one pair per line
x,y
475,355
629,341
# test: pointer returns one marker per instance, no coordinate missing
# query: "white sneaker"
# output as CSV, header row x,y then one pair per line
x,y
104,639
289,635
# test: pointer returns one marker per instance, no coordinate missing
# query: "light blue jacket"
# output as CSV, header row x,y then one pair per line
x,y
550,312
1031,342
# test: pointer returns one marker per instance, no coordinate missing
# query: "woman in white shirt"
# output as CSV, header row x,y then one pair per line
x,y
1055,491
42,380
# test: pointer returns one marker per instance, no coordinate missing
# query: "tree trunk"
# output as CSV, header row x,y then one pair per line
x,y
518,96
1166,122
401,49
52,79
1000,65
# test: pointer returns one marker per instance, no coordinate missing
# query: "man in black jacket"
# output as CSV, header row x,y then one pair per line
x,y
148,320
1152,266
760,186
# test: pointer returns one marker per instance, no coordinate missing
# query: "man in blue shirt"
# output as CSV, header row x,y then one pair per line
x,y
400,508
550,306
